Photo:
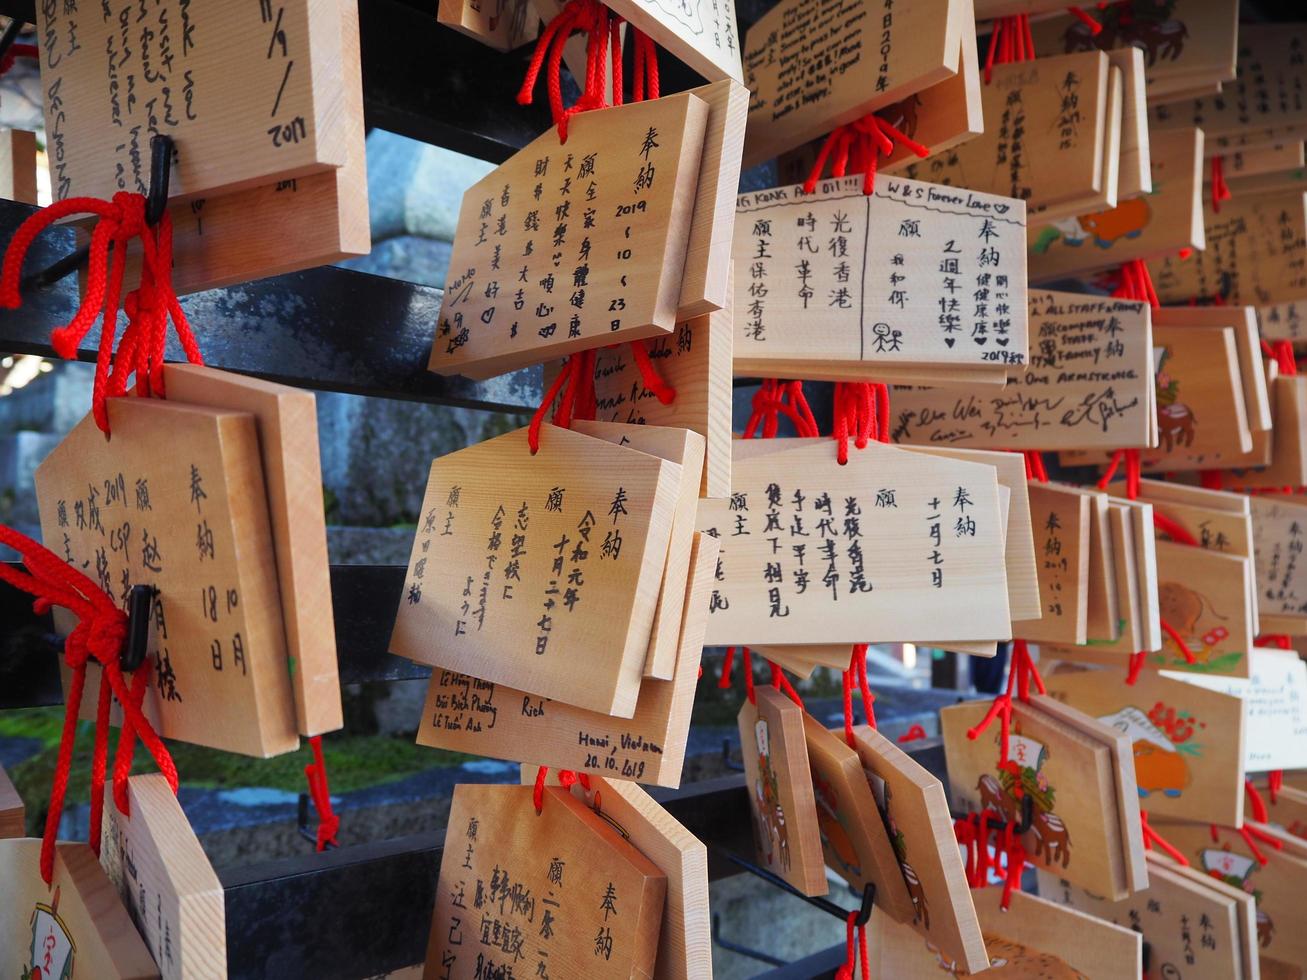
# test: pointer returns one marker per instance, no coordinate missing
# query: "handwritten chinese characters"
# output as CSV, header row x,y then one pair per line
x,y
470,715
813,65
554,893
193,523
1086,385
541,572
1279,534
577,245
1045,146
1060,519
914,274
816,552
240,87
165,881
699,32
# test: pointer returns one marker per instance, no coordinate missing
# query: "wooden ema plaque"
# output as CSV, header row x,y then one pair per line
x,y
786,832
73,927
1279,455
1060,518
467,714
1187,742
557,893
566,247
1252,369
855,841
1135,174
812,67
866,550
685,941
282,226
1103,613
1047,144
1278,159
18,166
1145,227
287,423
1276,721
1276,886
1287,810
499,24
1076,829
1256,254
1033,938
1206,597
1185,44
1195,366
1264,95
700,33
695,359
686,450
1086,385
541,571
939,284
1018,553
1191,929
1279,526
11,808
251,96
155,861
193,523
915,810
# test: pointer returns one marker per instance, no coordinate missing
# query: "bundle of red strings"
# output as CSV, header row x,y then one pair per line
x,y
149,307
857,146
98,637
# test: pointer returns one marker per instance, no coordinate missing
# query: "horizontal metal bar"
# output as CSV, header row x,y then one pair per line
x,y
325,328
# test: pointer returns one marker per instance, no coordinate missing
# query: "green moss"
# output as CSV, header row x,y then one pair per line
x,y
353,762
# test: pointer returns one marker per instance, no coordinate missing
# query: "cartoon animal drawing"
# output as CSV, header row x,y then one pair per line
x,y
1127,220
903,115
834,835
1184,609
1175,425
1009,959
768,814
1159,770
1147,26
994,797
920,910
1265,929
1051,838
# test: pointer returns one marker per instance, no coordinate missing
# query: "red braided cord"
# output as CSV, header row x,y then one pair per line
x,y
1174,530
1220,190
1152,837
1094,26
1179,642
316,773
863,142
913,734
100,633
1258,804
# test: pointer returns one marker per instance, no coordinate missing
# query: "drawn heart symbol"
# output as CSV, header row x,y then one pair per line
x,y
949,341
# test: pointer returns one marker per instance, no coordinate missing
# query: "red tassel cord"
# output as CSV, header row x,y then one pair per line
x,y
1220,190
320,792
149,307
858,146
1153,838
98,637
1020,675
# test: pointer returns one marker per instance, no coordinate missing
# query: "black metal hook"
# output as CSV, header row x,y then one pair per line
x,y
156,204
841,913
140,607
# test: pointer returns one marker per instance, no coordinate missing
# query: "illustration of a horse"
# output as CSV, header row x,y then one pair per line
x,y
1051,838
921,911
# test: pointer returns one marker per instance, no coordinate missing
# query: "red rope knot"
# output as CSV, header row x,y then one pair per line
x,y
149,308
913,734
1134,282
592,19
858,146
320,792
99,635
1021,672
775,398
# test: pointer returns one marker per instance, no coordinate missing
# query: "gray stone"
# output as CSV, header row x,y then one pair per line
x,y
20,99
414,188
761,917
369,545
53,402
20,454
407,257
376,453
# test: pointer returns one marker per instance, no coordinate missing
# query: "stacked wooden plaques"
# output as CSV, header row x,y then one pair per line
x,y
265,110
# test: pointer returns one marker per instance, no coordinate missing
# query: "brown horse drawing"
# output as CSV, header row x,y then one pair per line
x,y
1175,425
992,796
921,911
1164,39
1265,928
1051,838
1182,607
